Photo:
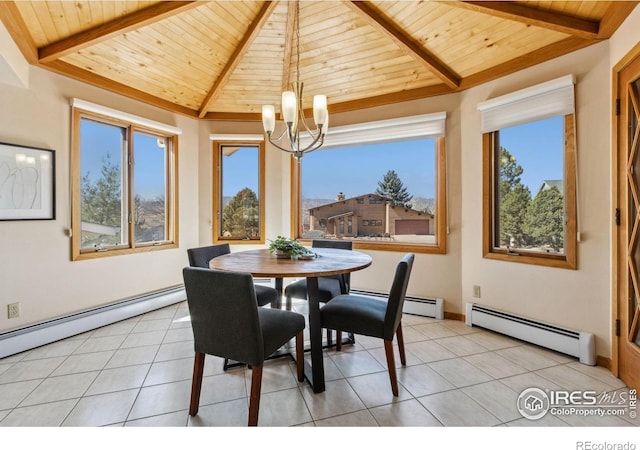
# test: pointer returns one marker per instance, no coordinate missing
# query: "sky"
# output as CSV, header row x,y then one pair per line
x,y
357,170
538,148
240,170
99,141
352,170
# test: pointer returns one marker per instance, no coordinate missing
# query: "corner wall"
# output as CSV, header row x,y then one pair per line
x,y
578,299
35,264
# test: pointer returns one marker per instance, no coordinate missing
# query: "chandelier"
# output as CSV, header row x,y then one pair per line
x,y
293,114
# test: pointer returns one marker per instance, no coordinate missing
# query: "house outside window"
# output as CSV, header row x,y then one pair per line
x,y
529,176
124,183
387,180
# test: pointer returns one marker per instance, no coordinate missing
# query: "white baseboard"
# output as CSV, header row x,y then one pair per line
x,y
17,341
428,307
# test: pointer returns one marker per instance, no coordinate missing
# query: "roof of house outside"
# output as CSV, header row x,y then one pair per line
x,y
342,200
548,184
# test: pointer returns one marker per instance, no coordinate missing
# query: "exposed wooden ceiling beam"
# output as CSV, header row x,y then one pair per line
x,y
555,21
354,105
238,53
288,47
71,71
404,41
613,17
12,20
119,26
541,55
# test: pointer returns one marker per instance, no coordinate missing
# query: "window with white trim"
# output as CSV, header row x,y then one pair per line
x,y
529,175
124,189
380,184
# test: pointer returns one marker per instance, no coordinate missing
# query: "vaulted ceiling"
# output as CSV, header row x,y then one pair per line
x,y
225,59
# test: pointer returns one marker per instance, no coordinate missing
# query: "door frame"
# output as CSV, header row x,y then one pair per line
x,y
631,56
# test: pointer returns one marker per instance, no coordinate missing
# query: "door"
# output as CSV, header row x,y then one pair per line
x,y
412,226
628,306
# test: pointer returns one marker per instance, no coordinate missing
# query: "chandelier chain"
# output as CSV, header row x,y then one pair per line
x,y
297,26
294,113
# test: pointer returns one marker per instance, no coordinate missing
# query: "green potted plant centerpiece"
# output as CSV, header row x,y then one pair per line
x,y
284,247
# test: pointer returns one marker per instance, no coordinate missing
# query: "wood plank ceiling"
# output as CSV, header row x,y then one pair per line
x,y
225,59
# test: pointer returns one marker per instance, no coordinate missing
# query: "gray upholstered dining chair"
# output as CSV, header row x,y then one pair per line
x,y
328,287
200,257
228,323
371,317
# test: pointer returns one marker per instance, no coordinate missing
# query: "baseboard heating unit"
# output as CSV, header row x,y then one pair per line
x,y
17,341
575,343
428,307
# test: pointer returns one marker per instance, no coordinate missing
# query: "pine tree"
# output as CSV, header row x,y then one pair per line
x,y
510,172
241,216
101,202
392,188
545,219
514,201
101,199
513,210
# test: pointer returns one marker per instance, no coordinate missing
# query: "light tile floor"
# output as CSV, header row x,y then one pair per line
x,y
137,373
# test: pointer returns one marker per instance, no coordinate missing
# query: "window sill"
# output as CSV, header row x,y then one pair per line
x,y
95,254
561,262
392,247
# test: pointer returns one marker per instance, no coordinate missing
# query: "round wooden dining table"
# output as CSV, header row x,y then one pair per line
x,y
325,262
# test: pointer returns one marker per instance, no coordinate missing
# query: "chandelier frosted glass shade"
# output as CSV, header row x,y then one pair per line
x,y
296,138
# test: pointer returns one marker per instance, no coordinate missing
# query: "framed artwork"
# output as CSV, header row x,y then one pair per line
x,y
27,183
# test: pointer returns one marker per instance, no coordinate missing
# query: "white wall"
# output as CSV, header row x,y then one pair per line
x,y
35,265
626,37
276,181
14,69
578,299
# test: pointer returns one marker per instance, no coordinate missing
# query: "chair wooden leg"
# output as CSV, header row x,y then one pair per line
x,y
403,356
196,383
329,336
391,365
338,340
300,355
254,399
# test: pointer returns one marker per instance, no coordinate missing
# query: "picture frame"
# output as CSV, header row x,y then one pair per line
x,y
27,183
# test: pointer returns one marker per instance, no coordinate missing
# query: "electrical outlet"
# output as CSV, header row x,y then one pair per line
x,y
13,310
476,291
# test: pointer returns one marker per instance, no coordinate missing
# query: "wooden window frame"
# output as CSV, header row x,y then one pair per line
x,y
171,190
217,190
440,247
566,261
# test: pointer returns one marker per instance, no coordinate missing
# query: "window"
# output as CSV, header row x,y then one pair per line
x,y
238,197
124,184
387,179
529,176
